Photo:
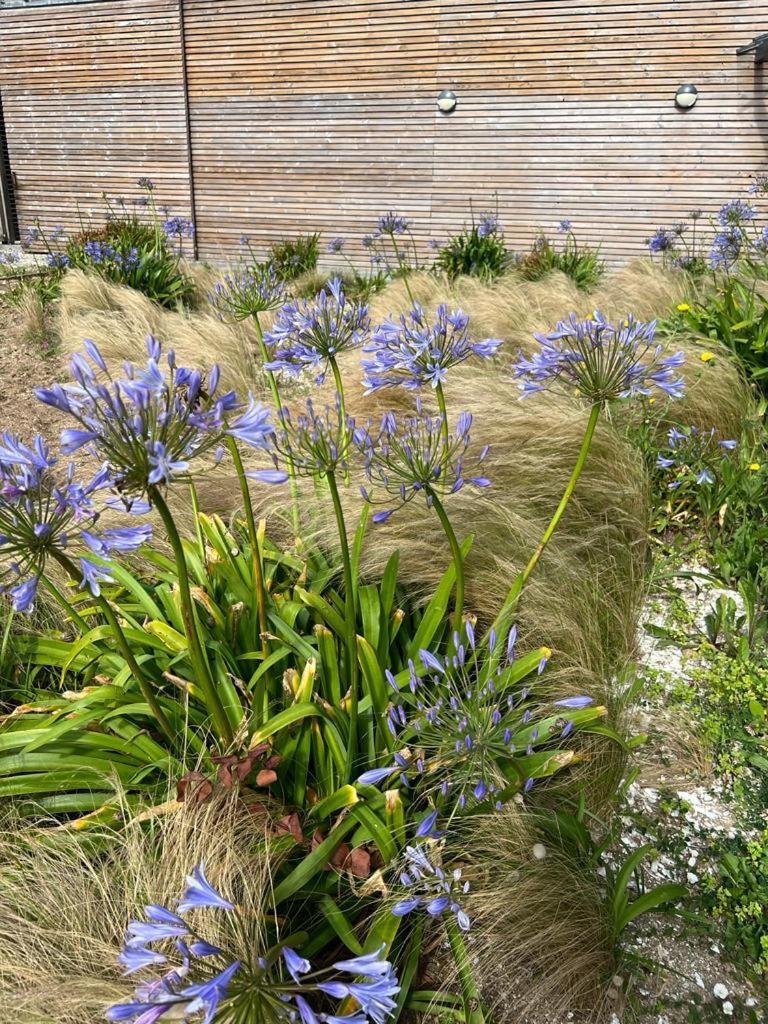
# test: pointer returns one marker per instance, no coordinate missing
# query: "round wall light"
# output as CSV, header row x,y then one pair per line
x,y
686,97
446,101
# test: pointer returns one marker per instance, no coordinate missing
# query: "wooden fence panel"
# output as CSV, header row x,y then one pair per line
x,y
93,99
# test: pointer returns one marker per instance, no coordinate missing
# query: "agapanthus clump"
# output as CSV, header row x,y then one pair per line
x,y
694,456
472,731
416,351
601,361
420,457
208,982
148,426
311,334
428,887
43,517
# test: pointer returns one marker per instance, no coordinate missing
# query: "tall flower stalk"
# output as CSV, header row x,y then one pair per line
x,y
602,363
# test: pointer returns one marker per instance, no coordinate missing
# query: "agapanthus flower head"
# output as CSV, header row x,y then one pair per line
x,y
248,292
32,235
601,361
308,334
662,240
759,185
146,183
206,980
43,516
316,443
727,246
416,351
178,227
150,423
488,224
58,260
410,457
564,226
736,212
428,887
472,730
694,456
392,224
9,259
335,245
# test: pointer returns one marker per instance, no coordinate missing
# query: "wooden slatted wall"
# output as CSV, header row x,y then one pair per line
x,y
320,115
93,98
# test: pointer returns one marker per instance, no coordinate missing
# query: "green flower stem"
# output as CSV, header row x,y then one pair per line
x,y
349,623
125,648
473,1012
253,536
403,269
67,605
197,655
594,415
342,405
272,380
443,412
458,561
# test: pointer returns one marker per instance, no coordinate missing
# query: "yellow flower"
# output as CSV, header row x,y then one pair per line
x,y
651,401
706,356
754,466
683,307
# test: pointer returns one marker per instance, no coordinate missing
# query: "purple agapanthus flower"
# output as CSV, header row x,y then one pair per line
x,y
178,227
470,727
208,981
736,212
200,893
311,334
662,240
315,443
248,292
393,224
488,224
428,887
601,361
45,515
58,260
564,226
335,245
411,458
727,246
150,423
694,456
415,352
146,183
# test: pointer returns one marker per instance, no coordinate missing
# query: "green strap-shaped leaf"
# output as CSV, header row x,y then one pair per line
x,y
314,862
340,923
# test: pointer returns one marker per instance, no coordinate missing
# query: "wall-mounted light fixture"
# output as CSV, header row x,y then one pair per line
x,y
686,97
446,101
